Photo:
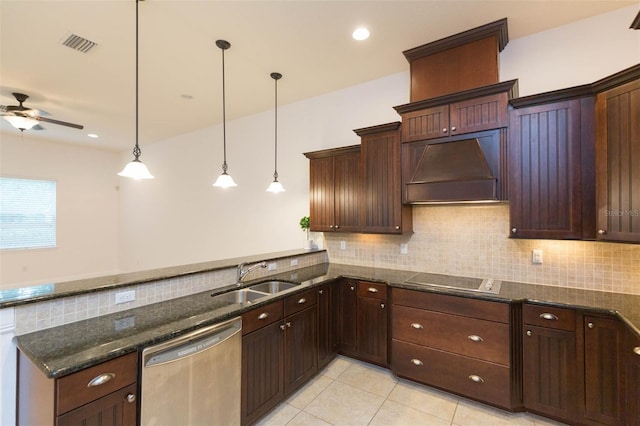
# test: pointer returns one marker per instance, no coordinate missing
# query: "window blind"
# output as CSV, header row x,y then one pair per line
x,y
27,213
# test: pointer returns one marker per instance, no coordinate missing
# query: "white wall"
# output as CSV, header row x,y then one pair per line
x,y
87,210
574,54
180,218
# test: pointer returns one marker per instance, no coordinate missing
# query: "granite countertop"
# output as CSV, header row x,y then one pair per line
x,y
65,349
46,291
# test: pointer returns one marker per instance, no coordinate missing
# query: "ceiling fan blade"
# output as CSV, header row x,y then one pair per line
x,y
61,123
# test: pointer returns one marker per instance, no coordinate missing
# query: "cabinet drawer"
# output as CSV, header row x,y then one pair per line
x,y
457,305
485,340
545,316
74,390
476,379
300,301
259,317
373,290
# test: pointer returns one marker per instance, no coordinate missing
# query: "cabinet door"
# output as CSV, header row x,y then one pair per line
x,y
346,316
474,115
426,123
545,171
115,409
632,354
325,325
604,367
383,211
321,196
262,371
347,192
550,372
372,330
618,163
301,348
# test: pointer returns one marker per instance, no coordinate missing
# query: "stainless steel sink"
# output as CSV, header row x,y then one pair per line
x,y
273,286
240,296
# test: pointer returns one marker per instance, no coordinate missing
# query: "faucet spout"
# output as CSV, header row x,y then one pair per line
x,y
242,272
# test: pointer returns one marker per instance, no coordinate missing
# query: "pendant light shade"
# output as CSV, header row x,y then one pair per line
x,y
224,180
276,186
136,169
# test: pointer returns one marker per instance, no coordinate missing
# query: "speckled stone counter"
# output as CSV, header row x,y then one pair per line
x,y
62,350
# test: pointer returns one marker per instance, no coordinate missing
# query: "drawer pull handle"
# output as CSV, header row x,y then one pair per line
x,y
475,338
263,315
302,300
476,379
101,379
548,316
417,326
372,290
131,398
636,350
417,362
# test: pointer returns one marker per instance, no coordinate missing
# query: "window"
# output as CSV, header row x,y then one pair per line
x,y
27,213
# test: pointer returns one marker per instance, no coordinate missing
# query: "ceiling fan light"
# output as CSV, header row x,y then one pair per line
x,y
22,123
224,181
275,187
136,170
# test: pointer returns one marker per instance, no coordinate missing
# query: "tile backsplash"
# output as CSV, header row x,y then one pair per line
x,y
473,241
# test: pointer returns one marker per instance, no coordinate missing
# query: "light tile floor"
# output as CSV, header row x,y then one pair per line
x,y
350,392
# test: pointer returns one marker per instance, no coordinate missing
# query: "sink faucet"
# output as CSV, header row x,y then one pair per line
x,y
244,272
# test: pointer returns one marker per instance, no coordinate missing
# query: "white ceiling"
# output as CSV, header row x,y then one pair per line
x,y
309,42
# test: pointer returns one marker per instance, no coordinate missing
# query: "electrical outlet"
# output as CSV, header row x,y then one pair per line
x,y
125,296
404,248
294,262
343,245
272,266
536,256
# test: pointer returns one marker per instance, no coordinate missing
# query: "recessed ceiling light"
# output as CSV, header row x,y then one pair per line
x,y
360,34
93,135
186,96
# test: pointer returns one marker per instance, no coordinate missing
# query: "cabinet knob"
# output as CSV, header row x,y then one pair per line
x,y
475,338
100,380
263,315
352,288
282,327
590,325
514,230
382,305
302,301
549,317
330,226
601,231
416,362
289,325
529,333
636,350
372,290
320,291
131,398
417,326
337,226
453,128
397,227
476,379
444,130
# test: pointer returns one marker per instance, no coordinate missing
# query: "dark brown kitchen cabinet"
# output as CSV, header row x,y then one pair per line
x,y
301,340
632,388
326,319
335,189
550,367
382,210
618,162
551,162
81,397
470,111
604,370
347,302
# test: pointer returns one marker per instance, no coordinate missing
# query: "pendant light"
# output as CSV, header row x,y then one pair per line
x,y
276,186
136,169
224,180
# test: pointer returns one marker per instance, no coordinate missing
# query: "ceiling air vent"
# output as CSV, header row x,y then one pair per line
x,y
78,43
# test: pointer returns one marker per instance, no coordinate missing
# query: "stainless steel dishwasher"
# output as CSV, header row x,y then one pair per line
x,y
194,379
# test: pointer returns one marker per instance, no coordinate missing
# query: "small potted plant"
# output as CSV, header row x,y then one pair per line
x,y
304,224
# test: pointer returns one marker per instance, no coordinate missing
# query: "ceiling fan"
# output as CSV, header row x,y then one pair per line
x,y
25,118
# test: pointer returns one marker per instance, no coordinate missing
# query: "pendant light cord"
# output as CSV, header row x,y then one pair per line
x,y
136,149
224,119
275,173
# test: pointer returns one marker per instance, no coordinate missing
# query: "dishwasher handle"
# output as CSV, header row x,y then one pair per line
x,y
192,343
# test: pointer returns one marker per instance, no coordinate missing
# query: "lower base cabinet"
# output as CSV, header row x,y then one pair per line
x,y
632,358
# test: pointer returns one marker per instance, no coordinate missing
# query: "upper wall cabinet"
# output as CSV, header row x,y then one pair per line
x,y
335,189
618,156
551,182
382,210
